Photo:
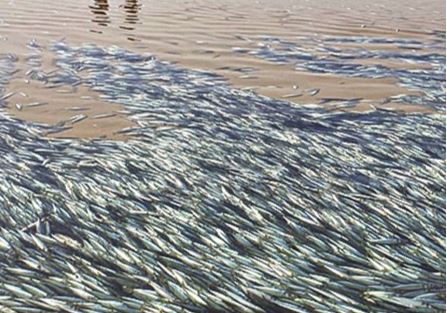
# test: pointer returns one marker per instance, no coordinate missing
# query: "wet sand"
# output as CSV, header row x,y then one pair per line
x,y
201,35
59,105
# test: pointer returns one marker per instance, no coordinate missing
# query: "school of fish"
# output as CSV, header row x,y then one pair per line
x,y
222,200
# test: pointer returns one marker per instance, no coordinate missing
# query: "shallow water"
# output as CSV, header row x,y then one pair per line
x,y
222,200
200,35
163,158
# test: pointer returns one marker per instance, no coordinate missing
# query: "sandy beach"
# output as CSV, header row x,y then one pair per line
x,y
198,35
236,156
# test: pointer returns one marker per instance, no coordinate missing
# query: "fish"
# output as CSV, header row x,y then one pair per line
x,y
33,104
77,109
220,199
76,118
313,91
292,95
105,115
8,95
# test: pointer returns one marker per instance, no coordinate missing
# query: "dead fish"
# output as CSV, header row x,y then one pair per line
x,y
237,203
76,118
64,91
248,77
77,109
34,104
292,95
8,95
105,115
313,92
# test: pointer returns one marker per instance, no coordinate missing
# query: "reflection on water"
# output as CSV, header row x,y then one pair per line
x,y
131,8
100,10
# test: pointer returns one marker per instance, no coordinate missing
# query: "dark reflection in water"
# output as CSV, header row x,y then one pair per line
x,y
131,9
100,9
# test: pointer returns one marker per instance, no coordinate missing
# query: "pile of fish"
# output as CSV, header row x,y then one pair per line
x,y
221,201
327,55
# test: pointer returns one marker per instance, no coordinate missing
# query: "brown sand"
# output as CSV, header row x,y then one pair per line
x,y
185,32
60,104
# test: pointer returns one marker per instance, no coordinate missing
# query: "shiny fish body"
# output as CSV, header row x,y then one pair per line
x,y
220,200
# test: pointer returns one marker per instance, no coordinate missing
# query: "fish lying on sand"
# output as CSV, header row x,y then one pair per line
x,y
322,56
243,204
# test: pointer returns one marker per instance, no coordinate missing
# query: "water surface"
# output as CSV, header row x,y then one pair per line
x,y
245,42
